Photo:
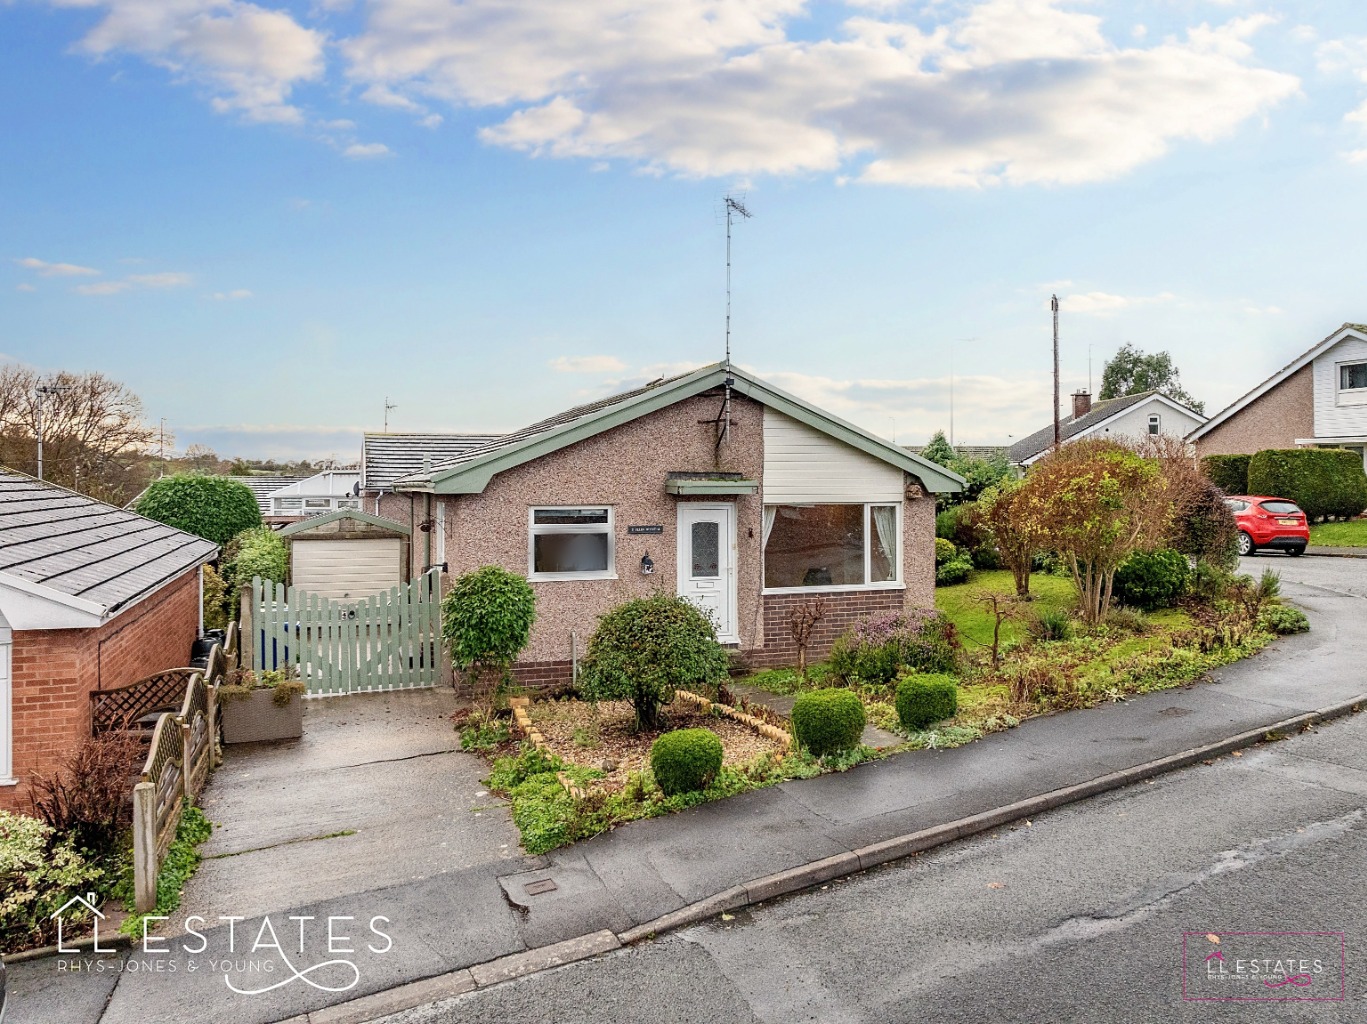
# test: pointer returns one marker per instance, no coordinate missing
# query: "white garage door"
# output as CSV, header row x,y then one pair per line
x,y
346,570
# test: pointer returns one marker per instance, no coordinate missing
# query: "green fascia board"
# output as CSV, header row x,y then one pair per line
x,y
344,513
712,487
472,477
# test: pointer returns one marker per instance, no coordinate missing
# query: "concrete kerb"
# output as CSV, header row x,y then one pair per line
x,y
793,880
1328,552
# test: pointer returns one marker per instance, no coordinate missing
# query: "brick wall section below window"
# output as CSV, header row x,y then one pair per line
x,y
843,610
55,671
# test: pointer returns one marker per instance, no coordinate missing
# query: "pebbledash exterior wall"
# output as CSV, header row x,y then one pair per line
x,y
1276,420
626,468
55,670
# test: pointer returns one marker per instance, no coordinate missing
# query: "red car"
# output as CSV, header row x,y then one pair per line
x,y
1269,523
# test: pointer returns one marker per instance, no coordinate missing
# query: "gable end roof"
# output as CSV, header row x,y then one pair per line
x,y
1033,445
1247,399
471,472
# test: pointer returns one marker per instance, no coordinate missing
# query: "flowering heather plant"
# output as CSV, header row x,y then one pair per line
x,y
878,649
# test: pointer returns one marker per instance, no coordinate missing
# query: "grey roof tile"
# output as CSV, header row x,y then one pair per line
x,y
1032,444
386,457
80,547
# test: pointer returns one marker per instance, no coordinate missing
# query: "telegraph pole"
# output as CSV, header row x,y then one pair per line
x,y
1058,439
43,391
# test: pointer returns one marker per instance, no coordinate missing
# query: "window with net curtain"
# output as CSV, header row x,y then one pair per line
x,y
830,545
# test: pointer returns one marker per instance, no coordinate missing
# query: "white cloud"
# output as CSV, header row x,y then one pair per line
x,y
1012,91
587,364
103,288
45,269
235,294
25,287
1103,303
365,150
248,57
164,279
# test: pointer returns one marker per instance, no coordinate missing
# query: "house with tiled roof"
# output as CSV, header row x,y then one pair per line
x,y
1317,400
1130,417
91,597
713,485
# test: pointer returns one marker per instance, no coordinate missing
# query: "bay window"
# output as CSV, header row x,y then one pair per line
x,y
570,544
842,545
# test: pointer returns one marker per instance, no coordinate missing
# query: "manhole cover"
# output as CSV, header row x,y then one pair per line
x,y
1175,712
539,886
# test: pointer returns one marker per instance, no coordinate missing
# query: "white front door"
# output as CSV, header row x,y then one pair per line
x,y
707,563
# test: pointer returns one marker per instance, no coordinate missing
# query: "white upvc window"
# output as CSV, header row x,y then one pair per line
x,y
1352,383
1155,423
571,543
844,546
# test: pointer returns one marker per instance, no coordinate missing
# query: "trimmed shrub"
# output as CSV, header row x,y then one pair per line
x,y
216,508
486,619
828,721
1153,579
1227,472
685,760
259,552
644,650
1282,620
923,700
878,649
1322,481
956,570
986,557
944,551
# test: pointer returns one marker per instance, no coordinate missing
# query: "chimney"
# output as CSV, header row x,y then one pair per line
x,y
1082,404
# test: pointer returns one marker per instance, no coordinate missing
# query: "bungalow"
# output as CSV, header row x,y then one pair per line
x,y
712,485
1318,400
313,496
91,597
1132,416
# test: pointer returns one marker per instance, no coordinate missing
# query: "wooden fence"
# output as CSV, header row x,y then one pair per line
x,y
388,641
184,748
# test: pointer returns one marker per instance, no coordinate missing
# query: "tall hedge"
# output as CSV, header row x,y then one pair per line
x,y
1228,472
216,508
1322,481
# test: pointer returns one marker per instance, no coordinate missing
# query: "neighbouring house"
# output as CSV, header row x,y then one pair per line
x,y
1131,417
385,457
347,554
1318,400
314,495
713,485
91,597
261,486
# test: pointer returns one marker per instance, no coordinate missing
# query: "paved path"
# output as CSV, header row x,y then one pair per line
x,y
873,736
632,875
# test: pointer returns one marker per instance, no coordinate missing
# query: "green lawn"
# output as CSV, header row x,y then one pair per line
x,y
964,602
1352,534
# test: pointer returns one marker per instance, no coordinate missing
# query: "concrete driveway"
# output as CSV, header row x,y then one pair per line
x,y
375,794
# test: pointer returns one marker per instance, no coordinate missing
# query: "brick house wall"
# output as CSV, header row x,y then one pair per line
x,y
1275,420
54,672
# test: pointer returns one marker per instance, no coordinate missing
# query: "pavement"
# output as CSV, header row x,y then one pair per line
x,y
453,914
1078,916
1336,552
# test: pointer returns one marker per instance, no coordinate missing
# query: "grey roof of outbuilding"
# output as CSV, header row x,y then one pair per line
x,y
1032,444
81,548
386,457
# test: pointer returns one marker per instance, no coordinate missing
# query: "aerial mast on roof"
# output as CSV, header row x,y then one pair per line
x,y
734,206
387,406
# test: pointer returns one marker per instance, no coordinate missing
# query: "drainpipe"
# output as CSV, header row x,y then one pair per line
x,y
427,533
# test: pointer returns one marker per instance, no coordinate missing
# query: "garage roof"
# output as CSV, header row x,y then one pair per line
x,y
78,551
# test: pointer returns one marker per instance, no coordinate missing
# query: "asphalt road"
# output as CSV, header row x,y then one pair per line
x,y
1078,917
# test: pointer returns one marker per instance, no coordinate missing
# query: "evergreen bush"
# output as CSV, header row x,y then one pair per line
x,y
923,700
1227,472
828,721
216,508
685,760
1153,579
1322,481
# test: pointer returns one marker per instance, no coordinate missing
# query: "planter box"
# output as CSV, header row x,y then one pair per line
x,y
257,718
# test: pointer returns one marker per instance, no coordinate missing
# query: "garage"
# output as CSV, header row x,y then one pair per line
x,y
347,555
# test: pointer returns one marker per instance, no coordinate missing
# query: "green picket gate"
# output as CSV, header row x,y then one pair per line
x,y
389,641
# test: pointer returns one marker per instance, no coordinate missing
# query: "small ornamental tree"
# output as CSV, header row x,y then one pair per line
x,y
486,621
216,508
1013,516
1098,501
645,650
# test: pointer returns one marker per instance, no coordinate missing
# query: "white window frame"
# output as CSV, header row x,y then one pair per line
x,y
534,529
1155,424
1348,396
893,584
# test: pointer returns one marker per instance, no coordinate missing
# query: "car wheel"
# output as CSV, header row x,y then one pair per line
x,y
1295,552
1246,545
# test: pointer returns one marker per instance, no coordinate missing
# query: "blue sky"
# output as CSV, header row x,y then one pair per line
x,y
266,217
